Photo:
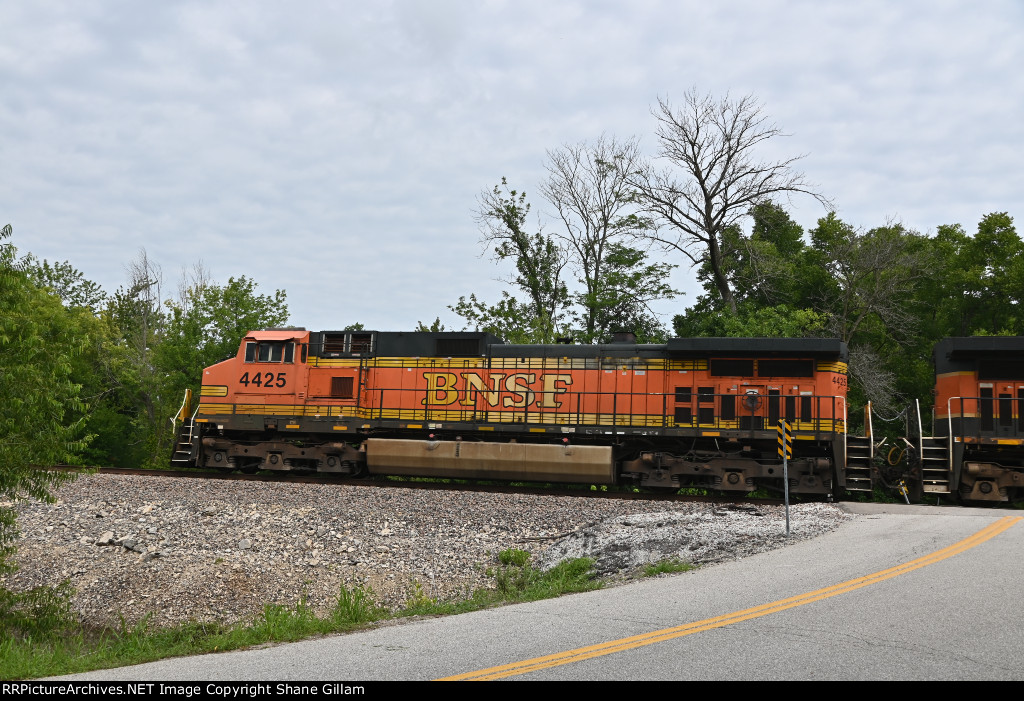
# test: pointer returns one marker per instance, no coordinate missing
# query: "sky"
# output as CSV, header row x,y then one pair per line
x,y
338,150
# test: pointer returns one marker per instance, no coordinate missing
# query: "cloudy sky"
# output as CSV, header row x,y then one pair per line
x,y
336,150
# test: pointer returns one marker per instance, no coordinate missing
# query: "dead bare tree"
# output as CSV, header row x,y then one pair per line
x,y
192,282
879,384
713,177
588,185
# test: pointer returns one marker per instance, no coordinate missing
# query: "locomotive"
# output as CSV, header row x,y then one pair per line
x,y
976,450
702,412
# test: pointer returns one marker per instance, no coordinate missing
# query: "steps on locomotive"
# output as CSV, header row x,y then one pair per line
x,y
936,474
858,464
183,444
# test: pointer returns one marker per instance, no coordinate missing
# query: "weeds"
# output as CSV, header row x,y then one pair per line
x,y
356,607
41,613
513,557
667,566
43,637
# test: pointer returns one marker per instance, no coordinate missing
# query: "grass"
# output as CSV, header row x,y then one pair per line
x,y
667,567
43,637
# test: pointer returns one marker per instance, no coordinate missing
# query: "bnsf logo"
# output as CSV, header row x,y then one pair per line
x,y
516,391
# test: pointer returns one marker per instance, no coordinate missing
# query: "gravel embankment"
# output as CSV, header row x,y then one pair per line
x,y
181,549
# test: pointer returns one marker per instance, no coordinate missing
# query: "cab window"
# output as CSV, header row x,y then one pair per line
x,y
269,352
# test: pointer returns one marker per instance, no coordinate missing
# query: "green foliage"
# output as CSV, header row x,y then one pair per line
x,y
65,281
44,638
513,556
435,327
136,319
668,566
509,319
769,267
356,606
537,258
40,613
978,285
418,599
206,325
598,216
619,300
156,349
515,580
750,320
41,424
873,277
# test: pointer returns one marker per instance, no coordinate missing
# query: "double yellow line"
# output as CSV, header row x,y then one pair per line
x,y
623,644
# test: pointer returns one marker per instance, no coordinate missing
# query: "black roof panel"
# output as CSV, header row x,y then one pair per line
x,y
951,354
760,347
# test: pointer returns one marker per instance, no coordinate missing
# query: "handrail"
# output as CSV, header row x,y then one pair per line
x,y
845,424
920,430
182,412
185,401
949,420
869,423
824,413
573,411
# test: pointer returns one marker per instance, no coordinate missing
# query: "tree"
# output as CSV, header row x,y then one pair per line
x,y
435,327
995,288
620,299
65,281
588,186
38,426
509,319
713,179
770,265
867,284
92,367
873,275
204,327
538,259
137,318
751,320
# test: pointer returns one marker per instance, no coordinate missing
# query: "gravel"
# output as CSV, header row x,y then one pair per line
x,y
185,549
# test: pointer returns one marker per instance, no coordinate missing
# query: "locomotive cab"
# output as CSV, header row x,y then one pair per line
x,y
977,444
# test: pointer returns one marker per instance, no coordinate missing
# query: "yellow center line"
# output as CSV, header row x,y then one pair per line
x,y
623,644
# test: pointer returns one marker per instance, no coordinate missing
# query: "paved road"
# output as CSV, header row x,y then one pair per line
x,y
911,607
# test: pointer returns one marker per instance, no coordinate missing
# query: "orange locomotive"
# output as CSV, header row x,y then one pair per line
x,y
699,411
976,450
